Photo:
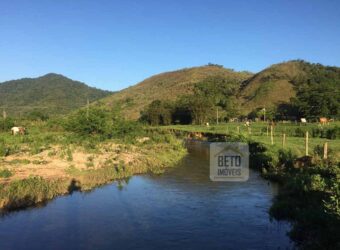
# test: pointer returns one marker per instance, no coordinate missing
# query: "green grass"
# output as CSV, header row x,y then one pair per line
x,y
259,134
5,173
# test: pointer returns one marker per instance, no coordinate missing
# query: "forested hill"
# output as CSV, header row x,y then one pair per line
x,y
49,94
287,90
314,87
169,86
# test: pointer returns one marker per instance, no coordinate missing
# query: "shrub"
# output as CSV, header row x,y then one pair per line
x,y
4,149
6,124
103,124
5,173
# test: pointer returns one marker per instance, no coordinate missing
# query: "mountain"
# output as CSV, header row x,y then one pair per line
x,y
49,94
278,83
167,86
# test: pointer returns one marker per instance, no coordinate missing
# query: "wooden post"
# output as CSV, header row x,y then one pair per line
x,y
217,115
306,141
238,129
283,140
271,135
325,150
267,131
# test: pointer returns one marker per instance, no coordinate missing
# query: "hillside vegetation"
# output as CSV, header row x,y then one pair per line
x,y
280,82
167,86
275,88
48,94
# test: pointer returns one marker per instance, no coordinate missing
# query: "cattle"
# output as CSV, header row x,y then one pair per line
x,y
18,130
233,119
323,120
303,120
143,139
247,124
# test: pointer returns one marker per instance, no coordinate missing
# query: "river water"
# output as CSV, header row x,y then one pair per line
x,y
181,209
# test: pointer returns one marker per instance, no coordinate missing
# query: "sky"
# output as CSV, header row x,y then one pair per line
x,y
115,44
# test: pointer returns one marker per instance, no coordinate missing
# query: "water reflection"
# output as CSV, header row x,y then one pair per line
x,y
180,209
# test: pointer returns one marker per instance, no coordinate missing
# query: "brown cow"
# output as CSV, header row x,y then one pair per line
x,y
323,120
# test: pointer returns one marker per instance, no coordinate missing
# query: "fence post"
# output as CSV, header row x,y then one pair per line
x,y
271,134
283,140
325,150
267,131
238,129
306,141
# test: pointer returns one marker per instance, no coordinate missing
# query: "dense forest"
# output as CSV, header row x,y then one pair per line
x,y
44,96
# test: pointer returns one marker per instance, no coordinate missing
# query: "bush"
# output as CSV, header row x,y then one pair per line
x,y
102,123
4,149
5,173
6,124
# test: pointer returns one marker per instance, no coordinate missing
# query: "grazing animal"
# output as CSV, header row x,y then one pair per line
x,y
143,139
207,124
323,120
18,130
303,120
247,124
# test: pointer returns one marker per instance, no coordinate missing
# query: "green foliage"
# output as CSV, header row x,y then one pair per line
x,y
5,173
158,113
102,123
218,92
318,92
6,124
4,149
37,115
45,96
332,205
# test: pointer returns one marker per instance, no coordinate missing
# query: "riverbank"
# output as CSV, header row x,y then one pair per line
x,y
309,194
59,169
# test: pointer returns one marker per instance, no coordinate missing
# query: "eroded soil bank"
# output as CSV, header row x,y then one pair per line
x,y
57,171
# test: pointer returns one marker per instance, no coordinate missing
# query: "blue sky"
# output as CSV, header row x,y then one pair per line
x,y
115,44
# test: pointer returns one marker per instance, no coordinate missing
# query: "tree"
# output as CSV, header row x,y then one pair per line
x,y
221,93
318,92
158,113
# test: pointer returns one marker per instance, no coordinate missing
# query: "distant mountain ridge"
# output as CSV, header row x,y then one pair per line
x,y
56,94
50,94
167,86
268,88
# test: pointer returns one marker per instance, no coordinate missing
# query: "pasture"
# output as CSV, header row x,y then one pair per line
x,y
294,134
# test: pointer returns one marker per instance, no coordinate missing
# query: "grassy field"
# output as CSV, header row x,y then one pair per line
x,y
295,133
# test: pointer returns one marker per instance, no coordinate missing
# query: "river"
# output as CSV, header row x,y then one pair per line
x,y
180,209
